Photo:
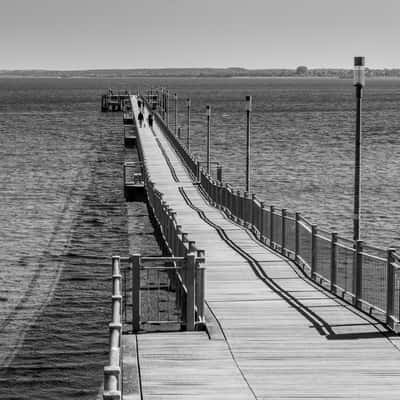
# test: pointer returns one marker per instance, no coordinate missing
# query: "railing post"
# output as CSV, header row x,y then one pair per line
x,y
190,287
219,173
201,277
253,214
237,208
261,223
245,209
283,239
333,262
390,286
271,226
357,272
135,260
297,237
313,250
198,171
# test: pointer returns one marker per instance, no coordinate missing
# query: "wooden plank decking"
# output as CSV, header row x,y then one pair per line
x,y
285,337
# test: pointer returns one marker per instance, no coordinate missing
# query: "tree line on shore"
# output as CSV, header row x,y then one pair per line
x,y
300,71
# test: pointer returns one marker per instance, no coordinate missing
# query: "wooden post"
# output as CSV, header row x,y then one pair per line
x,y
357,272
333,262
313,250
261,224
390,286
135,260
283,239
190,286
271,226
297,237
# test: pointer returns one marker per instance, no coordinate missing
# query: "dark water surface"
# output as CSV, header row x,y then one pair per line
x,y
62,213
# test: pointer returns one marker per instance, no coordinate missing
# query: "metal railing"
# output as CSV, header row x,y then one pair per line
x,y
164,290
365,276
112,372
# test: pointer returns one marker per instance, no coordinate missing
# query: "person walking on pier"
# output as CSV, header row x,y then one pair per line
x,y
140,118
139,103
150,120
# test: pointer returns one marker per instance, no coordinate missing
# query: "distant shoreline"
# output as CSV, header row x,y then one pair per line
x,y
299,72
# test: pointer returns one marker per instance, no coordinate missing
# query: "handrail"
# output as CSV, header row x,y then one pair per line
x,y
112,372
337,263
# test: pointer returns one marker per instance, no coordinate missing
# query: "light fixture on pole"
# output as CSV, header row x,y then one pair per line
x,y
248,112
188,102
359,83
208,140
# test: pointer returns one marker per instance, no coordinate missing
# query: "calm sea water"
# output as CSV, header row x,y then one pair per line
x,y
62,212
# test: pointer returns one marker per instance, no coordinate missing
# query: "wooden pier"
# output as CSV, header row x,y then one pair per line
x,y
281,321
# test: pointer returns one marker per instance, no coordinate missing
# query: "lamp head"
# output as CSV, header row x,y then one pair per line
x,y
359,71
248,103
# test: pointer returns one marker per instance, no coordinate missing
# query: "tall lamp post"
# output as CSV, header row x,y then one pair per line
x,y
176,112
188,102
167,106
248,112
208,139
359,83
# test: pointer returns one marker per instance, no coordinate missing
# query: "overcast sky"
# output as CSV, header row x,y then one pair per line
x,y
82,34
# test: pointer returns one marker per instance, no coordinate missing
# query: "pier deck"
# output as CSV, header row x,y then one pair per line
x,y
280,335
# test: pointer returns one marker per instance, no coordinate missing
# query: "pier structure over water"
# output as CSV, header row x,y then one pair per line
x,y
271,306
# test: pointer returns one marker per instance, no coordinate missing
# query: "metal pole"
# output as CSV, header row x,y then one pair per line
x,y
357,167
167,106
248,111
358,83
176,113
188,125
208,140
